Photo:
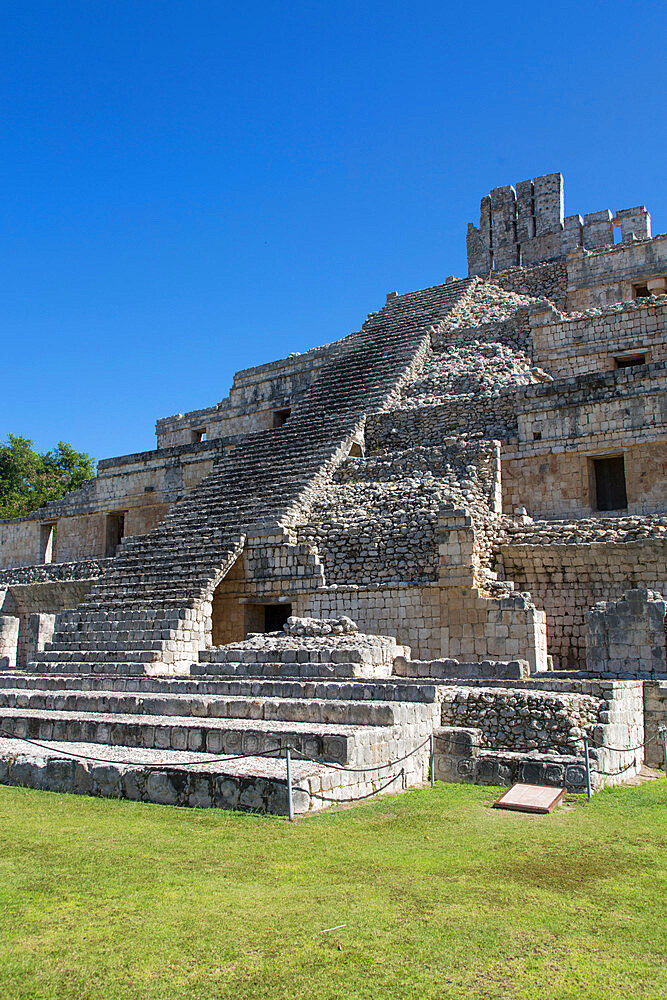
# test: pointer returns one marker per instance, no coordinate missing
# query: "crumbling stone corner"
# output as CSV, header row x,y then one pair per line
x,y
628,635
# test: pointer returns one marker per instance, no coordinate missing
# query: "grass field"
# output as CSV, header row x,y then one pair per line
x,y
440,896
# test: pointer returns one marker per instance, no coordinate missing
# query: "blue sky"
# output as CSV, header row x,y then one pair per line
x,y
190,188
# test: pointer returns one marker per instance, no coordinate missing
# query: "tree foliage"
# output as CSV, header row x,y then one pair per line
x,y
29,479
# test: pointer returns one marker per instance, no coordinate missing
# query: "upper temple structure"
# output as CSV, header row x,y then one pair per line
x,y
452,521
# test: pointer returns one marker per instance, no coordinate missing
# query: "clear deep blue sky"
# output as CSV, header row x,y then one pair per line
x,y
190,188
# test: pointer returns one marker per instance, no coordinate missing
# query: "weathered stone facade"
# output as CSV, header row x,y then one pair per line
x,y
469,474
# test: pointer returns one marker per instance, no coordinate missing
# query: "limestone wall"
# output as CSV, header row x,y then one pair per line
x,y
518,226
9,637
527,225
627,635
568,579
492,417
142,486
489,728
33,595
600,277
34,632
26,599
539,281
453,622
53,573
605,407
569,344
551,484
475,627
563,425
19,542
411,614
378,520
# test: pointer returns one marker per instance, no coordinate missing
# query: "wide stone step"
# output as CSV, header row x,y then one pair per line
x,y
327,710
277,670
105,619
100,651
107,667
316,652
359,746
256,784
394,689
104,641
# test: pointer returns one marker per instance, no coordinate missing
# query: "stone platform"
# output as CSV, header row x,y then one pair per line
x,y
178,739
354,709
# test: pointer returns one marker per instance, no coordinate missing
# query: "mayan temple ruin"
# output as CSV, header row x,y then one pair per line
x,y
450,523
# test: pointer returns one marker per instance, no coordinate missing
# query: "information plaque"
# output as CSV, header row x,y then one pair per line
x,y
530,798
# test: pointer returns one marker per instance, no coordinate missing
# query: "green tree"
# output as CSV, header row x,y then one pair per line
x,y
29,479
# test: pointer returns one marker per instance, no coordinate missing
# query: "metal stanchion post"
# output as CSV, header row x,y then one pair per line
x,y
663,731
288,764
588,769
431,759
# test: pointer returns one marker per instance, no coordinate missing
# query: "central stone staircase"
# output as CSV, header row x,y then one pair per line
x,y
152,605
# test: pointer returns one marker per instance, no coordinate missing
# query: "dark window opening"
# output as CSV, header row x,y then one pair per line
x,y
630,360
149,489
537,435
610,492
115,532
641,291
198,435
281,416
47,542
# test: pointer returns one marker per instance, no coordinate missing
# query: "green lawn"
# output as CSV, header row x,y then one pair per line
x,y
440,895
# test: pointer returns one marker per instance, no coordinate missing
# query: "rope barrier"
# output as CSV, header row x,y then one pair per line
x,y
356,798
363,770
612,774
605,746
209,759
278,751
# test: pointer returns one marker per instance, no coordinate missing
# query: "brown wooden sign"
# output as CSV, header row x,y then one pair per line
x,y
530,798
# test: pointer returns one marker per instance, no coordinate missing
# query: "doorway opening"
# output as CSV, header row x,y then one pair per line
x,y
266,617
115,530
47,543
610,490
